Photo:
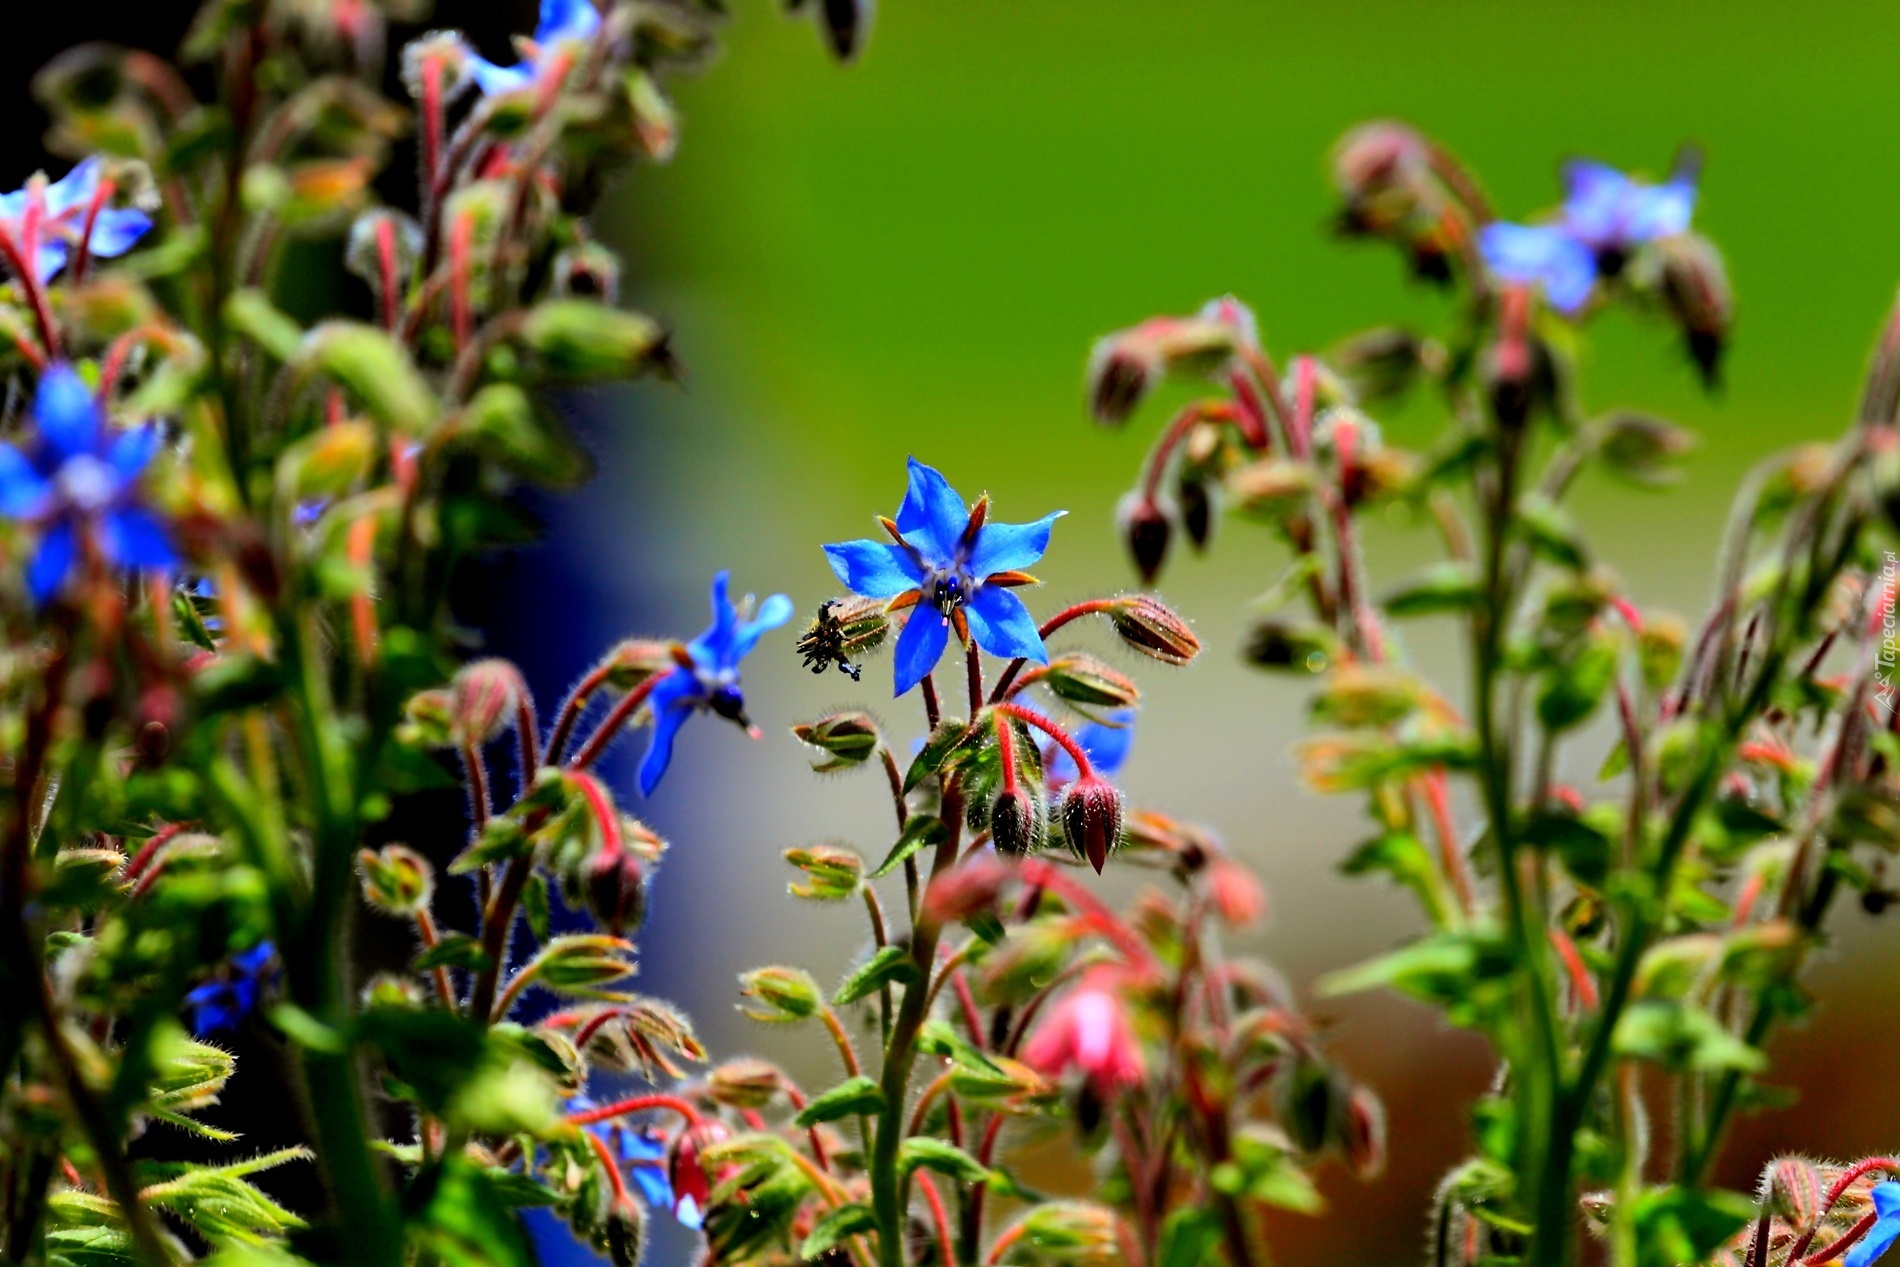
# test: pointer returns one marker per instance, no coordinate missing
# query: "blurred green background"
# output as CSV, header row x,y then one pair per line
x,y
913,254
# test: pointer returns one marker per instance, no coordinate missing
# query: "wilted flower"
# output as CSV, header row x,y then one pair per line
x,y
221,1005
79,485
560,20
1605,216
712,680
50,221
945,556
1089,1029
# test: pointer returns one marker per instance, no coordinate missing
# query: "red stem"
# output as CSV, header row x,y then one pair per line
x,y
610,726
636,1104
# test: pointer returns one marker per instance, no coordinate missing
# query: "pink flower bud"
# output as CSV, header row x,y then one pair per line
x,y
1237,893
1092,819
966,889
1016,821
1152,628
1364,1132
616,889
483,698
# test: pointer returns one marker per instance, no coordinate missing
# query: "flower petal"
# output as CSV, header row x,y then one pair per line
x,y
725,617
1660,211
669,715
1108,746
131,451
1596,202
1887,1199
933,515
773,612
136,538
49,259
66,411
566,20
875,569
1877,1242
73,190
1008,547
496,81
58,548
1002,626
1541,254
919,647
117,229
22,491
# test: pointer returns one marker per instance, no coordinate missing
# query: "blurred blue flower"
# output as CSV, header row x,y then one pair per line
x,y
1605,216
645,1155
1107,742
79,484
221,1005
712,683
957,565
1881,1236
560,20
65,205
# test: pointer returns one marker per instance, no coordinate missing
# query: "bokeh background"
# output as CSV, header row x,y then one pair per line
x,y
913,254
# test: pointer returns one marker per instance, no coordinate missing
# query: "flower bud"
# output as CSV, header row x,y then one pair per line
x,y
846,739
383,237
785,995
1695,286
1642,449
686,1168
582,963
1302,648
1194,495
1792,1190
1145,527
636,660
1086,682
483,699
834,873
1380,167
844,628
1017,824
1381,365
581,339
396,879
1069,1234
655,121
616,889
391,989
1092,819
1364,1134
327,462
1236,891
1125,366
967,889
1273,490
845,23
588,271
1152,628
1358,696
745,1083
625,1232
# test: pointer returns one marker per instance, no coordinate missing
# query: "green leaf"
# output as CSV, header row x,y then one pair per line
x,y
454,950
377,371
467,1221
848,1098
1443,587
930,1153
1586,852
1679,1036
936,752
889,964
921,830
1188,1238
938,1039
846,1221
1677,1225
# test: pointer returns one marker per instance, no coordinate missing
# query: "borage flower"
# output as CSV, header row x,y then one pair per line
x,y
219,1006
1606,216
1885,1231
710,680
691,1186
1089,1029
561,21
79,485
48,221
946,557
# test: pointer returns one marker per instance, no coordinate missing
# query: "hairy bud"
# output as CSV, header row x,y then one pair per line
x,y
582,339
1080,1233
636,660
966,890
846,739
1273,490
1126,366
1364,1134
1695,286
588,271
1017,823
1152,628
616,887
1092,819
1087,682
1145,527
1792,1189
396,879
1642,449
833,872
625,1232
1302,648
745,1083
784,995
483,698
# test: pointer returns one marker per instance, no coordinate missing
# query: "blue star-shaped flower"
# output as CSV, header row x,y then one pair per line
x,y
1885,1231
946,557
1606,215
79,483
1107,742
645,1155
712,681
64,207
221,1005
560,20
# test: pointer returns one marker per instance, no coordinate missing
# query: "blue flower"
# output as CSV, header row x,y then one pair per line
x,y
946,557
1881,1236
1605,216
645,1155
79,484
712,682
221,1005
64,207
560,20
1107,742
